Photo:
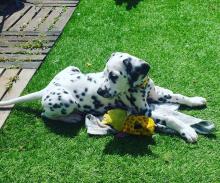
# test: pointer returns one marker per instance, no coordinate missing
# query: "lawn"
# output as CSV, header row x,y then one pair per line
x,y
180,39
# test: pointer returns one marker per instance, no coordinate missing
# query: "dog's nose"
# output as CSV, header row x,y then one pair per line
x,y
101,92
145,67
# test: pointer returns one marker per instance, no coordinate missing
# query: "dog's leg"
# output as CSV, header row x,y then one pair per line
x,y
184,130
160,94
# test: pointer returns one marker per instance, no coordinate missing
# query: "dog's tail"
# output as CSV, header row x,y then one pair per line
x,y
26,98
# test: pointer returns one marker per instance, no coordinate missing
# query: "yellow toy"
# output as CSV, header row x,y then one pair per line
x,y
132,124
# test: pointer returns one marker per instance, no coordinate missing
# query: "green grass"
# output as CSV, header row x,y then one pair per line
x,y
180,39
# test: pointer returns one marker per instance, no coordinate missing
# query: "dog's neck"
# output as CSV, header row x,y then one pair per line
x,y
143,84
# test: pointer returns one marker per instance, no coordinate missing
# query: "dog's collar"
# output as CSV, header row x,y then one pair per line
x,y
144,83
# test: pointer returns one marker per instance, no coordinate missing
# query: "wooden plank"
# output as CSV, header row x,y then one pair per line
x,y
52,1
50,19
22,44
30,33
28,38
33,25
57,5
4,79
14,18
25,65
25,19
3,116
59,25
17,88
16,50
1,71
21,57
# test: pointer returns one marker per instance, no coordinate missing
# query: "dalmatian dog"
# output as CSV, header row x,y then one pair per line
x,y
119,85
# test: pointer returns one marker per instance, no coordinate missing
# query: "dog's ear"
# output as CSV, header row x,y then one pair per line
x,y
129,70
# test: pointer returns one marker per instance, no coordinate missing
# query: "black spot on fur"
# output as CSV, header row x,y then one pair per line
x,y
162,99
78,77
75,70
59,98
143,111
149,113
133,90
65,92
96,102
89,78
119,104
46,97
87,107
157,120
86,89
51,108
56,106
83,94
66,105
74,91
77,96
70,101
63,111
162,122
167,96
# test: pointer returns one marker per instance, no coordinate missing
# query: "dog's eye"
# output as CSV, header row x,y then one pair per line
x,y
113,77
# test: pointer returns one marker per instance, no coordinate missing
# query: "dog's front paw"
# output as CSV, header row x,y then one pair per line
x,y
197,101
189,134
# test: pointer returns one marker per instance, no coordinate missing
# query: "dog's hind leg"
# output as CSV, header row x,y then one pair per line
x,y
71,118
58,103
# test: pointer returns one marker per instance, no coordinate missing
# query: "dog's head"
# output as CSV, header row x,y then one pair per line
x,y
122,72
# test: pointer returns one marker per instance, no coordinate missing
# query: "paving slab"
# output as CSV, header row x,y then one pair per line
x,y
27,33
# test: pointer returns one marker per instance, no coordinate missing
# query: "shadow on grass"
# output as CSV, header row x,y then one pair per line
x,y
58,127
29,110
130,3
211,136
62,128
132,145
187,108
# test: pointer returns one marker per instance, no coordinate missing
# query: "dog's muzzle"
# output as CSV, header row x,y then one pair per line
x,y
104,93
